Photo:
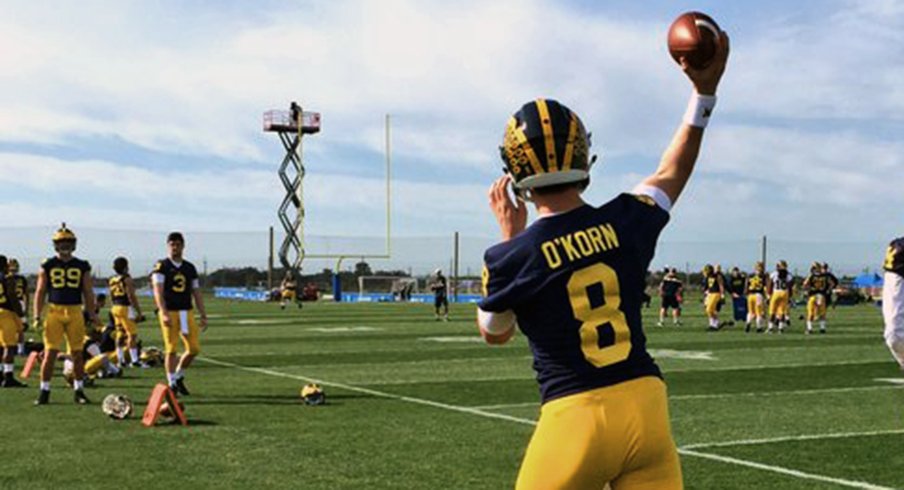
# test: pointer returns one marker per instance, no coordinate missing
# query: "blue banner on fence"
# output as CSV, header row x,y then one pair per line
x,y
241,293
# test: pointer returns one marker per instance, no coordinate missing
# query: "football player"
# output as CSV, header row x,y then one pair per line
x,y
126,311
439,287
10,313
780,289
572,282
670,297
833,283
21,284
714,287
66,281
289,290
893,299
817,287
754,290
735,287
175,282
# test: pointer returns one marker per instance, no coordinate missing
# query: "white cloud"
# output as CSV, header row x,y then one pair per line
x,y
173,80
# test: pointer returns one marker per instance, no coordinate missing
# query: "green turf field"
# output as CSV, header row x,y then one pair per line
x,y
414,403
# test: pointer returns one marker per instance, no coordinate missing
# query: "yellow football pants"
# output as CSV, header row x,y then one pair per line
x,y
711,304
756,305
618,435
182,326
778,304
816,307
9,328
64,321
121,318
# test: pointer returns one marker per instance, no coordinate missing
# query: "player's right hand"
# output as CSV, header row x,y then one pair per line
x,y
706,79
511,216
166,318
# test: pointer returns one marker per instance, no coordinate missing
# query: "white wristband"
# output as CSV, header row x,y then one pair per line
x,y
699,108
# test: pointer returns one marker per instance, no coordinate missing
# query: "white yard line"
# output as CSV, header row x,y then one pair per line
x,y
784,471
723,395
804,437
688,450
780,393
381,394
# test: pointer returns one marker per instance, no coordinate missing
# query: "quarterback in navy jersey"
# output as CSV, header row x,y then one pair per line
x,y
573,283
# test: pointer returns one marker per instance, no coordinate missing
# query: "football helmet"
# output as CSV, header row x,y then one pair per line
x,y
64,238
117,407
545,144
707,270
782,265
759,267
13,266
313,394
152,357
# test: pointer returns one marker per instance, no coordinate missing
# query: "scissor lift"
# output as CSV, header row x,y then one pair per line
x,y
291,126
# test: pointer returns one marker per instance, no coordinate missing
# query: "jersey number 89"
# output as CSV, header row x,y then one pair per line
x,y
604,316
70,278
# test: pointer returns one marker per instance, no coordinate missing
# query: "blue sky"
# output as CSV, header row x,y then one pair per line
x,y
146,115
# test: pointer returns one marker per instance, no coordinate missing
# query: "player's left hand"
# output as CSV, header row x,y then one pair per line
x,y
511,215
203,323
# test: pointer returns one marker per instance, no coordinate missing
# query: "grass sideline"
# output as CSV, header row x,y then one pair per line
x,y
414,403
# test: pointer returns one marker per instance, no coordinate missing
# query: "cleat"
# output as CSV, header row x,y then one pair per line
x,y
659,324
822,330
180,388
80,398
43,398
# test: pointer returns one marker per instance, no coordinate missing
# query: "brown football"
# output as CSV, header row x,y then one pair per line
x,y
693,35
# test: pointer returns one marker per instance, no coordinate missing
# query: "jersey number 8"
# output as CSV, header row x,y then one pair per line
x,y
604,316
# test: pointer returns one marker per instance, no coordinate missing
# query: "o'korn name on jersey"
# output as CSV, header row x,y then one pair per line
x,y
579,244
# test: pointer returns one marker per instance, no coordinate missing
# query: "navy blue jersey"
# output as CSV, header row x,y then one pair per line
x,y
671,286
178,283
64,280
576,283
736,283
894,257
119,294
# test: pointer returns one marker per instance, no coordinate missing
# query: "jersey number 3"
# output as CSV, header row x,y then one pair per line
x,y
605,317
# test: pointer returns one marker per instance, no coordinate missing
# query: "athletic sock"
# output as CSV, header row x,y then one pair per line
x,y
120,356
179,374
21,348
822,324
8,367
133,352
809,325
45,385
78,385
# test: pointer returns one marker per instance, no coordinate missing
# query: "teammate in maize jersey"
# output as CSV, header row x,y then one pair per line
x,y
289,291
756,300
175,283
573,283
893,299
21,284
780,289
67,282
10,312
126,311
817,287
